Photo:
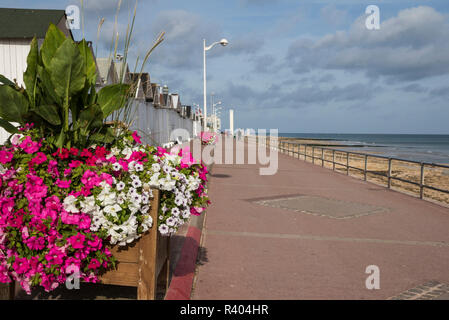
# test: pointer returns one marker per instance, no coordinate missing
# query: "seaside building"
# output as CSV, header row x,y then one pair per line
x,y
17,28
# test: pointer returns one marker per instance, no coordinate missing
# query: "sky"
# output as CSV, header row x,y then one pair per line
x,y
309,66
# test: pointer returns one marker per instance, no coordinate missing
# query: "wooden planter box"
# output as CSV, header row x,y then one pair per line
x,y
143,264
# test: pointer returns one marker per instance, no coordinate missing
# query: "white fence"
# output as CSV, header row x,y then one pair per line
x,y
156,125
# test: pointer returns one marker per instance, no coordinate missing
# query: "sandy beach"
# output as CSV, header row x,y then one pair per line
x,y
378,169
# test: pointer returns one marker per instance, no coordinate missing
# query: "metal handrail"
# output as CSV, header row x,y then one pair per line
x,y
422,186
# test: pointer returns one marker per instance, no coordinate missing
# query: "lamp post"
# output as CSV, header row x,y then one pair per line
x,y
224,43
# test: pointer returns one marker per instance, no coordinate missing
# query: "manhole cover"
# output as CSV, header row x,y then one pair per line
x,y
432,290
319,206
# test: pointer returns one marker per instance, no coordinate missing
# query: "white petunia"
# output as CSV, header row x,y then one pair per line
x,y
112,210
163,229
175,212
136,183
116,166
115,151
131,167
145,198
144,209
186,214
70,204
121,198
138,167
170,222
136,198
178,201
120,186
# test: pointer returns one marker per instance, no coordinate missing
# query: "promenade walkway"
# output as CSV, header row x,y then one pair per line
x,y
310,233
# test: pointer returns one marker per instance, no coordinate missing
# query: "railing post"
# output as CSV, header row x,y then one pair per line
x,y
313,154
366,165
333,159
421,183
389,173
322,157
347,163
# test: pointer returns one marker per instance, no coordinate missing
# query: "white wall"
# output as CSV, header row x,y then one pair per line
x,y
13,58
13,63
156,124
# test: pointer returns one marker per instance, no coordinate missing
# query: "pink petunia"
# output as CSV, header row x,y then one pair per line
x,y
35,243
29,146
75,164
136,137
53,168
21,265
90,179
96,243
94,264
77,242
6,156
64,184
107,177
84,222
39,158
68,218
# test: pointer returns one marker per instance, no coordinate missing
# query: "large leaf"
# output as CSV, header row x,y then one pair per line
x,y
113,97
90,68
49,113
8,126
66,70
13,104
30,75
48,95
6,81
90,118
54,38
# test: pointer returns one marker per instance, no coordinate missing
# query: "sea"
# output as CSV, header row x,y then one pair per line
x,y
430,148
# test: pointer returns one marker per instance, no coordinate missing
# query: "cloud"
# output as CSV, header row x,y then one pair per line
x,y
276,96
333,16
442,92
183,43
414,88
411,46
245,44
256,2
264,63
107,7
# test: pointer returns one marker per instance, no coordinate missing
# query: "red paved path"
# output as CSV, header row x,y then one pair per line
x,y
258,252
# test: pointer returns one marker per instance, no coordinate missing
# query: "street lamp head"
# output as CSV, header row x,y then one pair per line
x,y
224,42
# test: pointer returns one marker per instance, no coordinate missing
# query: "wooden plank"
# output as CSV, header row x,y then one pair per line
x,y
130,253
7,291
146,287
162,252
125,275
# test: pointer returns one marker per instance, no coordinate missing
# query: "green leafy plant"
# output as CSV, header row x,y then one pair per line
x,y
60,96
